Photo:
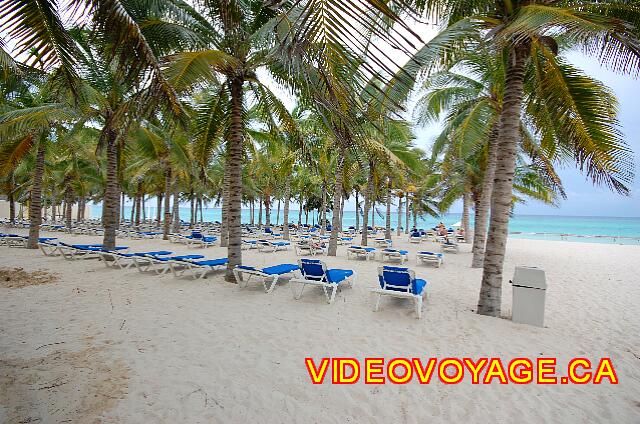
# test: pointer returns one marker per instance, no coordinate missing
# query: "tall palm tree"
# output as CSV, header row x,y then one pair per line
x,y
30,124
239,45
522,32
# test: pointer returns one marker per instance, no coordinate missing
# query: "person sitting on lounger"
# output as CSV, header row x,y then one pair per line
x,y
317,245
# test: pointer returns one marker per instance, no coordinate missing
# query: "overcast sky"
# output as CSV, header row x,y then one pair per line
x,y
583,199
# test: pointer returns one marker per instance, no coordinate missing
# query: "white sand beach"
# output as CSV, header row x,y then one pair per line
x,y
117,346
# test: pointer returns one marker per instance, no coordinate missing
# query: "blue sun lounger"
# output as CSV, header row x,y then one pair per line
x,y
430,257
315,272
148,262
22,241
84,251
361,251
268,245
395,254
269,275
198,269
49,247
203,241
113,259
400,282
249,244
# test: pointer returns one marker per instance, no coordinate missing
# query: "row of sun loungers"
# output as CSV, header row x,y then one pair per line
x,y
193,240
393,281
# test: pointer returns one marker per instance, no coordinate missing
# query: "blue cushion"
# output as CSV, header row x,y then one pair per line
x,y
366,249
212,262
156,253
272,270
280,269
401,279
312,268
402,252
281,243
338,275
178,258
418,286
424,252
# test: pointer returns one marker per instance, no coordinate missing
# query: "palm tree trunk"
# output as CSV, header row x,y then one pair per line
x,y
192,220
167,203
387,231
111,194
484,202
342,200
11,199
69,204
322,216
398,232
175,215
144,209
285,212
122,199
337,195
267,211
259,211
357,211
80,200
200,208
300,211
158,209
44,208
490,299
466,200
373,214
138,204
368,196
35,198
53,204
224,213
234,162
133,209
407,215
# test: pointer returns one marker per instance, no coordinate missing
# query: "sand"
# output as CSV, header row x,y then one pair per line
x,y
115,346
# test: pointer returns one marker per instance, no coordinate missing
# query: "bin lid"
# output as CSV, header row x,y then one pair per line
x,y
529,276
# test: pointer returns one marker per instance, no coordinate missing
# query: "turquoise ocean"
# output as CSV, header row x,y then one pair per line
x,y
543,227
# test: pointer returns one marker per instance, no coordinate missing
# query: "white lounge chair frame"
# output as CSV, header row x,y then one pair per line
x,y
268,285
429,257
360,252
417,299
179,268
395,255
329,289
266,246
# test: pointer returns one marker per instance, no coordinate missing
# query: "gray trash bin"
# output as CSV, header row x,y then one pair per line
x,y
529,292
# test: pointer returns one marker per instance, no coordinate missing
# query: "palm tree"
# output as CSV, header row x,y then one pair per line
x,y
30,123
523,32
240,44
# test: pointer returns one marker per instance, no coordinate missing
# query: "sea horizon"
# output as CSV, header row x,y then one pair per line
x,y
594,229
